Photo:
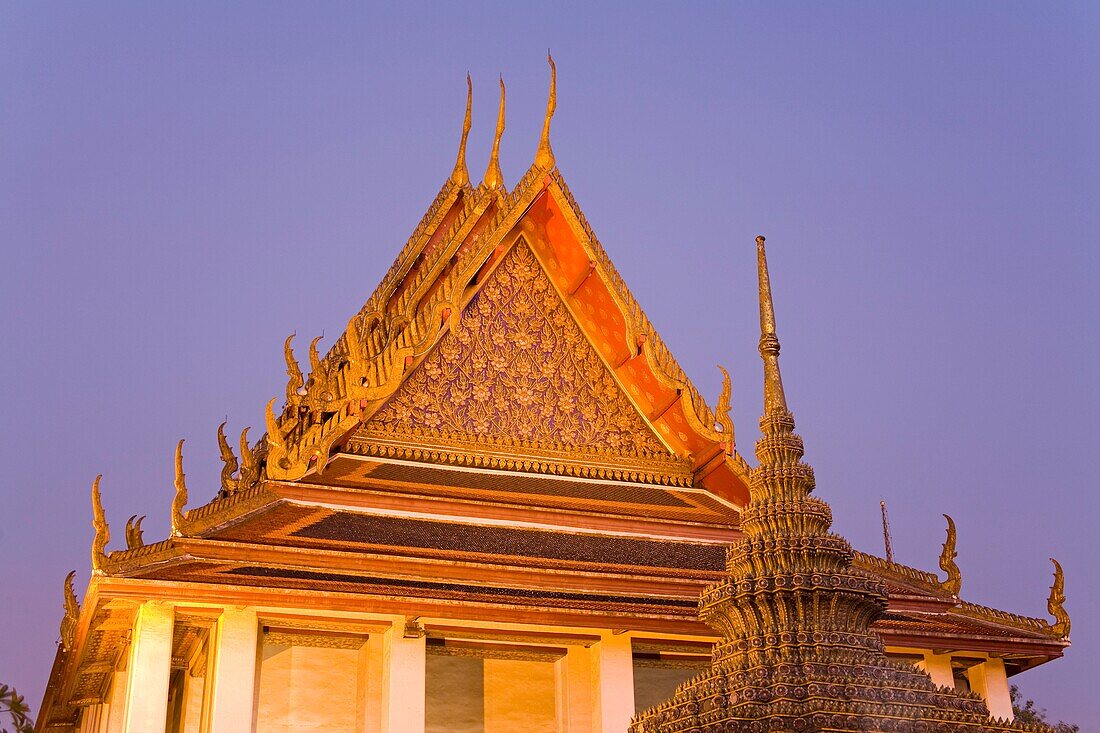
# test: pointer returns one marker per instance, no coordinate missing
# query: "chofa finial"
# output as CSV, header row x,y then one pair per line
x,y
494,178
229,463
102,531
722,413
72,614
544,158
1056,601
250,469
134,538
461,174
953,584
179,501
295,380
775,401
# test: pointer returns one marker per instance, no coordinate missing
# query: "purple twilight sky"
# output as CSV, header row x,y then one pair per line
x,y
182,185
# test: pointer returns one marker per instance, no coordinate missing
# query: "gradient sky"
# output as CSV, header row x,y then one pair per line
x,y
182,185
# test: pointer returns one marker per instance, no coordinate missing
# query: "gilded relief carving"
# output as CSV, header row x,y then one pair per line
x,y
518,369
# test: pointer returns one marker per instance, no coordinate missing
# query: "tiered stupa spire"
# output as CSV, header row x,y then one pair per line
x,y
797,652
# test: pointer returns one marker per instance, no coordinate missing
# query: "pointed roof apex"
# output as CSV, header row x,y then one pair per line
x,y
544,158
461,174
494,178
775,401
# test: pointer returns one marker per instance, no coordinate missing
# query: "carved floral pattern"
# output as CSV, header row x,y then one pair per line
x,y
517,368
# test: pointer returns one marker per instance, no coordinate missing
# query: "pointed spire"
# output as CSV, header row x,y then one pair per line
x,y
544,158
953,584
461,174
102,531
494,178
775,401
179,501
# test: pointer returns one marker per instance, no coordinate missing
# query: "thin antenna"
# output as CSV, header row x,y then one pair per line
x,y
886,532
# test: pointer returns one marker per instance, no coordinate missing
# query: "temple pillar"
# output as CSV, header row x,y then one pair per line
x,y
116,703
989,680
231,672
938,667
574,690
150,666
369,686
613,675
402,681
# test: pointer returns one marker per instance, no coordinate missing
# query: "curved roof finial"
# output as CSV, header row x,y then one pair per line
x,y
72,615
179,501
494,178
722,412
250,470
294,372
544,158
775,400
134,539
1056,603
102,531
229,462
953,584
461,174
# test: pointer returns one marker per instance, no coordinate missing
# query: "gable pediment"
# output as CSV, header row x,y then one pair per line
x,y
517,373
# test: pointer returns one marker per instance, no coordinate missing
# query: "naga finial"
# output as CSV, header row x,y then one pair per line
x,y
274,436
461,174
229,461
357,353
722,413
318,389
775,400
276,451
544,158
72,614
296,381
1056,601
314,356
953,584
179,501
134,538
102,531
250,470
494,178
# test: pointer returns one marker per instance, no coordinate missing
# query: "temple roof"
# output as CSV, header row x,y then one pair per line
x,y
511,292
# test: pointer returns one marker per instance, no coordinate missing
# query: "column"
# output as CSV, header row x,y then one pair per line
x,y
613,673
369,707
938,667
989,680
231,672
149,668
402,682
574,690
116,705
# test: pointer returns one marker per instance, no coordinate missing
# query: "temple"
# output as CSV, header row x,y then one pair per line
x,y
496,504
